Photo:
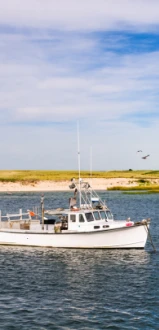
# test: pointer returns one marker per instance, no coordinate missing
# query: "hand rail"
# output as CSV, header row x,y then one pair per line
x,y
15,215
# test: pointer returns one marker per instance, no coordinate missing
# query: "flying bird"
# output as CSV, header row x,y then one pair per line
x,y
145,157
139,151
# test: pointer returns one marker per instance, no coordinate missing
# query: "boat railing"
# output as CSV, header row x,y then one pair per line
x,y
87,194
19,216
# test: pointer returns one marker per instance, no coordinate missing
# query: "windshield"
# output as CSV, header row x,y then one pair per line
x,y
96,215
89,216
109,215
103,215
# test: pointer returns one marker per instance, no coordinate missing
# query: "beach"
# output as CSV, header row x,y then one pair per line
x,y
96,183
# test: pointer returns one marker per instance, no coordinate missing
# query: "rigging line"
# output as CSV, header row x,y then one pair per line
x,y
150,237
79,165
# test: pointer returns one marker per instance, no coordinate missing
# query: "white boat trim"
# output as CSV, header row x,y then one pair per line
x,y
89,226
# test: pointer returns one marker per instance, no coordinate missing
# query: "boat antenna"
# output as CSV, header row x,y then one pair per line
x,y
91,162
79,165
91,173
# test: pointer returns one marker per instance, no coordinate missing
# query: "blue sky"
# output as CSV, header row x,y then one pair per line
x,y
93,61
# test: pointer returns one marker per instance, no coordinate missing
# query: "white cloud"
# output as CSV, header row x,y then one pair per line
x,y
81,15
44,90
51,77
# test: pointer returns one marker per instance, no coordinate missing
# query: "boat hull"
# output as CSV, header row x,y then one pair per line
x,y
118,238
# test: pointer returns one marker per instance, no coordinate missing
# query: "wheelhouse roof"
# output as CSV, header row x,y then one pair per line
x,y
68,211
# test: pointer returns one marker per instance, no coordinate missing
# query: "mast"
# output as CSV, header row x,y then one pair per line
x,y
91,162
79,165
91,174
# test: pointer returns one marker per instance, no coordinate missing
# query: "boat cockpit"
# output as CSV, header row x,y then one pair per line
x,y
92,213
80,219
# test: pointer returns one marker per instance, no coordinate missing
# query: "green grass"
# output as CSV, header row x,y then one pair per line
x,y
136,188
140,189
33,176
141,192
143,181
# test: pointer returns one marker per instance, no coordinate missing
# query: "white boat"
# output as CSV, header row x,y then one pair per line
x,y
89,225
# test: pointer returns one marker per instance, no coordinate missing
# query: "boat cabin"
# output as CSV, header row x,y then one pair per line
x,y
82,220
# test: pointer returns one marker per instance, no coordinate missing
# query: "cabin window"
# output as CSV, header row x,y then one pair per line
x,y
96,215
109,215
81,218
73,217
89,216
103,215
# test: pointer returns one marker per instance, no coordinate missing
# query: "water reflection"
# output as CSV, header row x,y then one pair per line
x,y
75,256
63,289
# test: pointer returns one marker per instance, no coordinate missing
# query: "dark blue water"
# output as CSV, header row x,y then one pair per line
x,y
49,289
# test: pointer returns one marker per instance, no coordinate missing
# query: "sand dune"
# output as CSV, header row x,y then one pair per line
x,y
97,184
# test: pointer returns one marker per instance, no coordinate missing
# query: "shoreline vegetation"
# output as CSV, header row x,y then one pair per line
x,y
126,181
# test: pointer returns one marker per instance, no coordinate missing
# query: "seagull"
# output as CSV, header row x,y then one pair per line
x,y
145,157
139,151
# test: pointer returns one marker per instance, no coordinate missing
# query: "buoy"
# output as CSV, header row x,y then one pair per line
x,y
129,224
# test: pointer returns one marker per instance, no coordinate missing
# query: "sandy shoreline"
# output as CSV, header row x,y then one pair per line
x,y
97,184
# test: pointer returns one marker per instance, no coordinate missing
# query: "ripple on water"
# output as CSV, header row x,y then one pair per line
x,y
81,289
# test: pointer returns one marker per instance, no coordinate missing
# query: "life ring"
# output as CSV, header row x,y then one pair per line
x,y
74,210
